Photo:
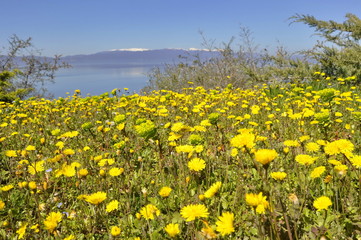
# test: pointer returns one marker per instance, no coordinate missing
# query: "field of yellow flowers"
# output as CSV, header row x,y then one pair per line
x,y
264,163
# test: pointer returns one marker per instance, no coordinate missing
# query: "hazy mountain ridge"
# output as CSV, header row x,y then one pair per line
x,y
139,57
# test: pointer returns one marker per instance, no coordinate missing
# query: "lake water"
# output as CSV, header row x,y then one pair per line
x,y
100,78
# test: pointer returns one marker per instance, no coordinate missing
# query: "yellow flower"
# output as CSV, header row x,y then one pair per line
x,y
185,148
356,161
234,152
70,237
35,228
339,146
69,134
178,126
96,198
225,223
305,159
205,123
213,190
265,156
305,137
146,129
115,231
243,140
196,164
7,188
2,205
291,143
52,221
22,230
60,144
322,203
32,185
172,229
83,172
312,147
55,132
36,167
278,175
193,211
11,153
30,148
165,191
68,152
317,172
113,205
116,171
149,211
334,162
258,201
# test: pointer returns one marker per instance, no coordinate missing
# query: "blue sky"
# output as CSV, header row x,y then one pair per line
x,y
70,27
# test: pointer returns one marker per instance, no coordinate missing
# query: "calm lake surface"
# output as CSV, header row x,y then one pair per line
x,y
99,78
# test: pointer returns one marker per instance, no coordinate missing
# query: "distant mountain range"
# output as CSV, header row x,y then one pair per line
x,y
140,56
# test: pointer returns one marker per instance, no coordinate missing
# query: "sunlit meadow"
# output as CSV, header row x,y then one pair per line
x,y
264,163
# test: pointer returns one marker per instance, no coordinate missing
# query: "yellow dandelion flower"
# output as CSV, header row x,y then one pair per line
x,y
213,190
184,148
68,152
322,203
258,201
7,188
11,153
234,152
96,198
165,191
83,172
291,143
149,211
225,223
305,159
52,221
32,185
356,161
116,171
177,127
339,146
278,175
265,156
2,205
115,231
36,167
243,140
22,230
317,172
30,148
196,164
312,147
172,229
305,137
193,211
68,170
334,162
60,144
35,228
70,237
113,205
